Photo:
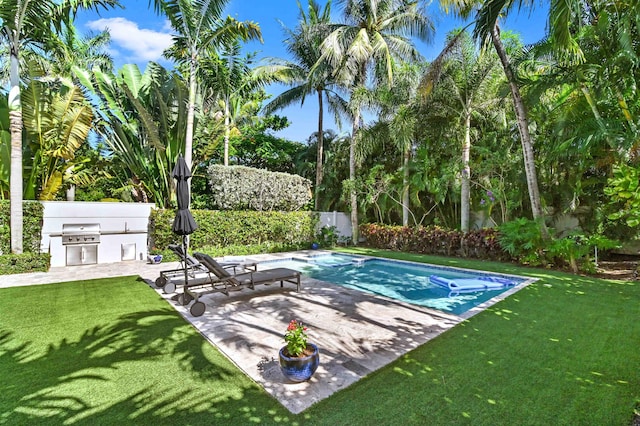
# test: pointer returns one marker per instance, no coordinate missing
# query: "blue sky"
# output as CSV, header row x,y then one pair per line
x,y
139,35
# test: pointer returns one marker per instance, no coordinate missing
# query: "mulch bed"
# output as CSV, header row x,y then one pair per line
x,y
618,270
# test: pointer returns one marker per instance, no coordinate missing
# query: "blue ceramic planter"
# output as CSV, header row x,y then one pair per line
x,y
299,369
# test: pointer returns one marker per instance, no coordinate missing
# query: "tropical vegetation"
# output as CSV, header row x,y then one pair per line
x,y
492,149
489,132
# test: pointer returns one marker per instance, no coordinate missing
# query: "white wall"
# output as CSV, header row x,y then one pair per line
x,y
120,224
341,221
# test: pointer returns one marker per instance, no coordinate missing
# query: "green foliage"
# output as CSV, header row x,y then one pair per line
x,y
569,248
327,236
523,240
25,262
57,119
143,124
241,230
520,240
624,192
244,188
575,248
32,228
258,149
200,194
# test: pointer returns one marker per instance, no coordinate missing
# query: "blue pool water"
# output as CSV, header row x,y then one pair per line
x,y
407,282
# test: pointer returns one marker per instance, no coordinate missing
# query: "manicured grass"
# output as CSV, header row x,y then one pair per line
x,y
112,352
562,351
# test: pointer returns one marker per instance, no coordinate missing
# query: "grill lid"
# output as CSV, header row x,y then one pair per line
x,y
80,233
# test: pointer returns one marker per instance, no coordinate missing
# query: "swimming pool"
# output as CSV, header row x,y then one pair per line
x,y
405,281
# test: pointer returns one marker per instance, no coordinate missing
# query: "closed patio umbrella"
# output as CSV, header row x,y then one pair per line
x,y
183,224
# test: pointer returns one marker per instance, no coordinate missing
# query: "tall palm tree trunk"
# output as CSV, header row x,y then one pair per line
x,y
523,127
227,131
15,125
191,112
320,152
352,177
465,186
406,157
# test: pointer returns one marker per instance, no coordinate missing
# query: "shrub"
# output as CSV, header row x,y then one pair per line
x,y
246,188
32,226
26,262
433,240
225,229
624,191
523,240
483,244
574,249
327,236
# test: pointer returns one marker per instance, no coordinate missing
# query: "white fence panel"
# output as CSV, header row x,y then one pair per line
x,y
340,220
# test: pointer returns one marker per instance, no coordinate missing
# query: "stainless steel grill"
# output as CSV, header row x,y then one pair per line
x,y
81,241
80,233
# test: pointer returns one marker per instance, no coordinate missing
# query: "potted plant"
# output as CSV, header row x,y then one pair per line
x,y
299,359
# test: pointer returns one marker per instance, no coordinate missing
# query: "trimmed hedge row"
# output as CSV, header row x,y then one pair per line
x,y
32,226
480,244
236,228
245,188
26,262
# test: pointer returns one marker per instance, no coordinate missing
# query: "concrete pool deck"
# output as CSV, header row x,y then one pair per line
x,y
357,333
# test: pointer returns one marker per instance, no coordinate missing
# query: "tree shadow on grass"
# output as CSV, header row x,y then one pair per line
x,y
146,367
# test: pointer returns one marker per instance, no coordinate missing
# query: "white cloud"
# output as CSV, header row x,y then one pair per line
x,y
141,44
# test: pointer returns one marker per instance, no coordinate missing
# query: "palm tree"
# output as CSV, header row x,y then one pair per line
x,y
306,76
70,53
228,81
199,26
362,50
487,29
24,23
398,123
469,72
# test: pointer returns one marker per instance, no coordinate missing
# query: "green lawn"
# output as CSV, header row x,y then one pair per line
x,y
113,352
562,351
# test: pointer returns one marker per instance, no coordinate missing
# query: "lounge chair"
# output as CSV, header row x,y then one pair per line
x,y
193,267
196,271
220,280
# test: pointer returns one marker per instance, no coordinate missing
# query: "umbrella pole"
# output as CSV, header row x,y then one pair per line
x,y
186,274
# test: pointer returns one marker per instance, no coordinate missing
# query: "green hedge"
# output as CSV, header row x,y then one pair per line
x,y
235,230
32,226
26,262
241,188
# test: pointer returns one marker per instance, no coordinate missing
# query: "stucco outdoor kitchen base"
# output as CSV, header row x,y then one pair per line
x,y
356,333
